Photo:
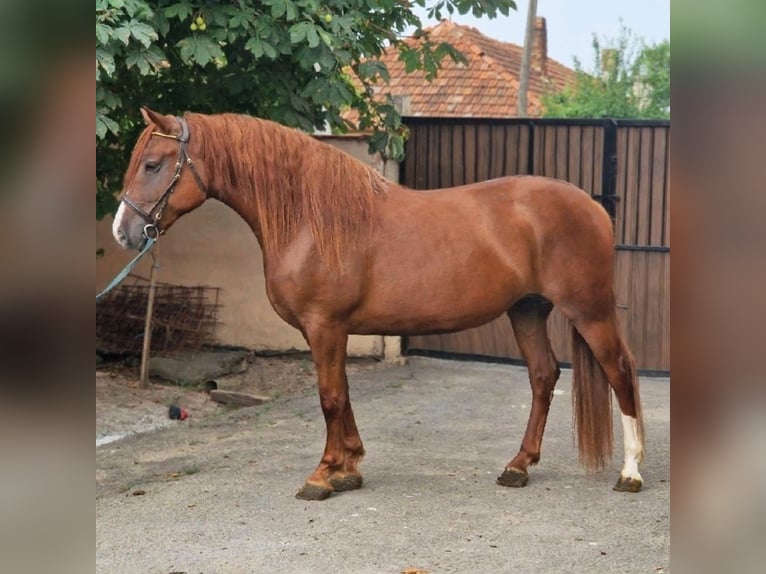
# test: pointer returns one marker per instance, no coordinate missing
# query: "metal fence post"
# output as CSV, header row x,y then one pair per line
x,y
608,196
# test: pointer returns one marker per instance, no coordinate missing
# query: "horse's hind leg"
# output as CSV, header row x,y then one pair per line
x,y
529,317
616,361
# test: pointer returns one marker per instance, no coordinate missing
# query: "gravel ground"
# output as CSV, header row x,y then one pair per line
x,y
215,493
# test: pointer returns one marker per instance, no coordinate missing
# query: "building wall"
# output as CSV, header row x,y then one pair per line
x,y
213,246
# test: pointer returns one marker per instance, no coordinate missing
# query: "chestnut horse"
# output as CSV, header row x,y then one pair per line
x,y
346,251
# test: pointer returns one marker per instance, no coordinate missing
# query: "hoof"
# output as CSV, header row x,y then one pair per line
x,y
313,492
628,484
343,482
513,477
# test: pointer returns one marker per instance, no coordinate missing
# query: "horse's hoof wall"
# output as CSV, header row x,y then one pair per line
x,y
345,482
313,492
513,477
628,484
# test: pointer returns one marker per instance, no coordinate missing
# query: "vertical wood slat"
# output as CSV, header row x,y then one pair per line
x,y
666,199
622,204
574,157
630,191
538,155
512,152
664,343
469,153
659,159
432,161
445,156
561,160
497,155
549,151
598,164
644,199
457,165
586,158
421,151
521,136
622,262
483,145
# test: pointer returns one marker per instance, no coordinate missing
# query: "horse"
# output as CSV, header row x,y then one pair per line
x,y
347,251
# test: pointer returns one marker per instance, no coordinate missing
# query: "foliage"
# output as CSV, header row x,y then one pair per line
x,y
629,79
298,62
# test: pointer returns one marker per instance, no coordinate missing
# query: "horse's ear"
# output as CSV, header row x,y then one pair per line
x,y
166,124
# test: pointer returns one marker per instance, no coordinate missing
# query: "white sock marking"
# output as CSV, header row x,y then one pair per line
x,y
634,450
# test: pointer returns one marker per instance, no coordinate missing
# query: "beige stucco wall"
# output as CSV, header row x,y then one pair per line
x,y
213,246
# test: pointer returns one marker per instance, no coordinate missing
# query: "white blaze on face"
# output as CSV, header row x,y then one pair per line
x,y
634,450
117,225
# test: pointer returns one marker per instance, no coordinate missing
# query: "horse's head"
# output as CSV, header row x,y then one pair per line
x,y
161,182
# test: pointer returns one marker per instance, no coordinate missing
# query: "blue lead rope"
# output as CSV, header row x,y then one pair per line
x,y
128,268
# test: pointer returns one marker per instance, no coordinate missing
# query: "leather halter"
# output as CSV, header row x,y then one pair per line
x,y
153,217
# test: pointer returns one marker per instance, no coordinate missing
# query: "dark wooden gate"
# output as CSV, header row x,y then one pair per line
x,y
623,164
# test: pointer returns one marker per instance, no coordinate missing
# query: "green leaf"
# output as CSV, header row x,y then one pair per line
x,y
254,46
373,68
104,124
298,32
278,9
147,61
181,10
325,37
291,12
411,59
142,11
378,141
122,34
144,33
163,25
199,49
102,33
269,50
395,149
105,61
312,37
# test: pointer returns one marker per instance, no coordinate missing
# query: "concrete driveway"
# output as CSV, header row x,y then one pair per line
x,y
217,495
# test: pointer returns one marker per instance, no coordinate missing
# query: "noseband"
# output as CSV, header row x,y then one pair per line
x,y
153,217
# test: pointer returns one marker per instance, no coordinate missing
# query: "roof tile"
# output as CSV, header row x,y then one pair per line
x,y
486,87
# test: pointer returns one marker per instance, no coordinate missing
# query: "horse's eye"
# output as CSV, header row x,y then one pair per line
x,y
152,166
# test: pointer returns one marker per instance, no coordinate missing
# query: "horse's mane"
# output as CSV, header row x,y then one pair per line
x,y
290,180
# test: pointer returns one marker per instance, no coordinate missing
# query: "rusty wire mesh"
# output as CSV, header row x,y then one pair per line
x,y
184,318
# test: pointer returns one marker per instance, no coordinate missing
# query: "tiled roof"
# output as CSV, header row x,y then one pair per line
x,y
486,87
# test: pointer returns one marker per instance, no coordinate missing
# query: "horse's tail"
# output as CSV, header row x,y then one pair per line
x,y
591,405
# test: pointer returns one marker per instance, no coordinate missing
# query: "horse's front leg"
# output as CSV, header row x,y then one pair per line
x,y
343,450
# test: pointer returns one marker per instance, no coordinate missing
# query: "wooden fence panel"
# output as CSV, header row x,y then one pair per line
x,y
642,289
642,186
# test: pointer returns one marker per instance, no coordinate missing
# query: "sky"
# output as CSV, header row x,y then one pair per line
x,y
572,23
